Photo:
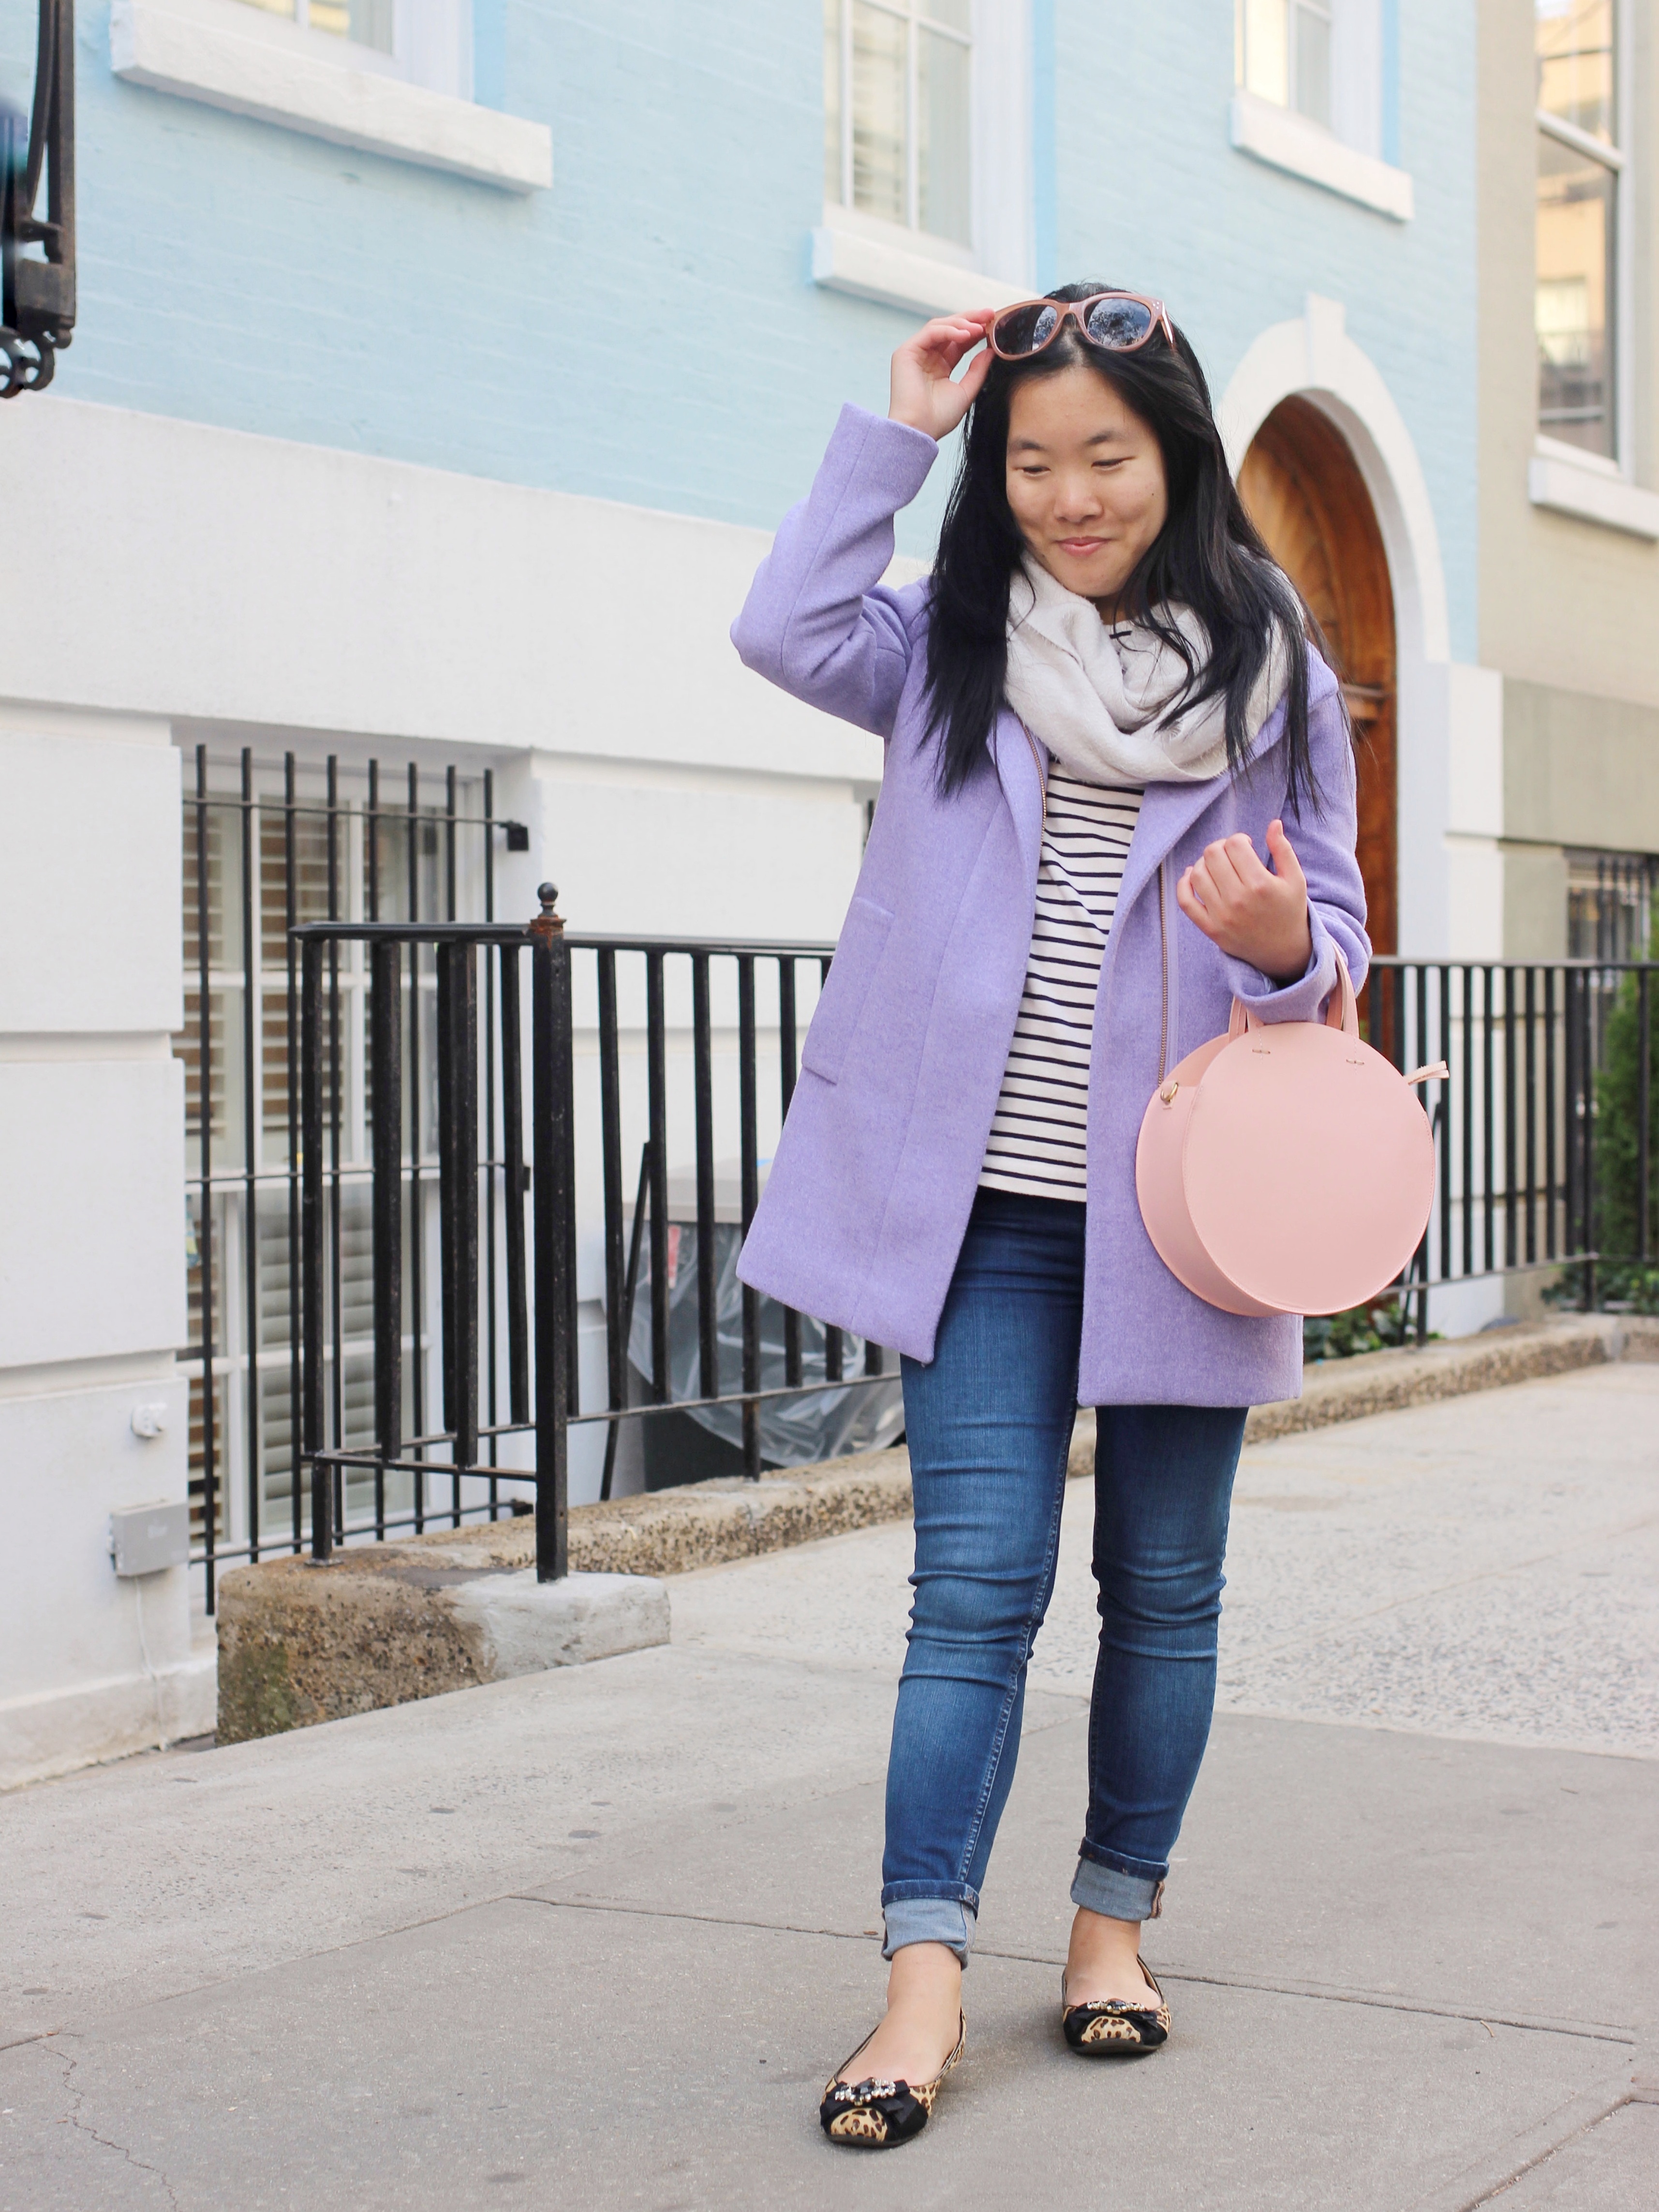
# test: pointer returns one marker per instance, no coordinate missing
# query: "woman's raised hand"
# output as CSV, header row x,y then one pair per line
x,y
1253,914
924,395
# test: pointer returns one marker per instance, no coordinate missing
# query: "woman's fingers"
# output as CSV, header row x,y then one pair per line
x,y
1230,861
973,376
1252,912
1283,854
1189,902
948,337
923,394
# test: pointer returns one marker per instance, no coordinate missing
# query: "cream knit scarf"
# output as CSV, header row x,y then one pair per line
x,y
1096,696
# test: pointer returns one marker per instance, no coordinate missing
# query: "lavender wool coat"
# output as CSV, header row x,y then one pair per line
x,y
875,1173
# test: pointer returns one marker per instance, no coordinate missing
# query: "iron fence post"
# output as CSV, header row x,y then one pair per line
x,y
1644,1117
417,1202
749,1199
204,1238
656,1066
610,1169
550,1105
703,1061
250,1162
518,1315
311,1247
787,1074
458,1200
387,1061
291,1015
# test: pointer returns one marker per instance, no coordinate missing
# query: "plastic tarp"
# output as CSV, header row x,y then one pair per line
x,y
794,1432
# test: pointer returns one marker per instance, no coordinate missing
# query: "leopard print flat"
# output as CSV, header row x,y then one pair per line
x,y
1105,2027
877,2115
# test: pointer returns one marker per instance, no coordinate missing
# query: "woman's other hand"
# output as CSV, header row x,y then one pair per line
x,y
923,394
1253,913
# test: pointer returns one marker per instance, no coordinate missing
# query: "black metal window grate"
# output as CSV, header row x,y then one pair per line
x,y
269,845
1611,898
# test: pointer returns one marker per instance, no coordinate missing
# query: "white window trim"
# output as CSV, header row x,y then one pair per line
x,y
869,258
1284,140
1563,476
884,262
253,62
1592,488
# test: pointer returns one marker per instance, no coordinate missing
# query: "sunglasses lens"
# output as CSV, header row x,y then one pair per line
x,y
1115,323
1023,330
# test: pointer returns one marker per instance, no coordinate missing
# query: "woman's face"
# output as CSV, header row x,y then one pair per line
x,y
1085,481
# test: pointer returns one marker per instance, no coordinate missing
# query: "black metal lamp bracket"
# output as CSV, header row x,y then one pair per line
x,y
37,290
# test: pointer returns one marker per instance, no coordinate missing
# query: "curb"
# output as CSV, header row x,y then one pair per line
x,y
382,1626
386,1624
671,1532
1386,1381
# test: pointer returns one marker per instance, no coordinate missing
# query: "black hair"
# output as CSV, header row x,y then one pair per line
x,y
1208,557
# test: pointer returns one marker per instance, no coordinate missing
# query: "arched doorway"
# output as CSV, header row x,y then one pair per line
x,y
1304,492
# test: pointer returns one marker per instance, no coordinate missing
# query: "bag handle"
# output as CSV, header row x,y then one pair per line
x,y
1341,1008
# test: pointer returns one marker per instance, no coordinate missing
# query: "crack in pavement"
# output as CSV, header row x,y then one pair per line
x,y
1602,2032
85,2128
1565,2143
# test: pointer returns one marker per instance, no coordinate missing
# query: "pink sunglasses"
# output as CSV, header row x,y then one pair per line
x,y
1116,322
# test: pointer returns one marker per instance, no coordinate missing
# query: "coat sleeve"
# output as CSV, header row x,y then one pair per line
x,y
1325,839
818,622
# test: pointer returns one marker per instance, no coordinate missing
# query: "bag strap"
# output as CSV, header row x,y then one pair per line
x,y
1341,1008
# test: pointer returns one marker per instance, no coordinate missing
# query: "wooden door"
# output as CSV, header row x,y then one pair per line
x,y
1305,495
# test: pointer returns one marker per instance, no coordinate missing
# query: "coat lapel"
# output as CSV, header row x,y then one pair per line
x,y
1022,780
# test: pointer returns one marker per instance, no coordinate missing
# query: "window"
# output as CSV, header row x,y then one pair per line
x,y
898,107
427,42
1611,902
1313,83
1283,54
364,23
1576,313
927,154
394,76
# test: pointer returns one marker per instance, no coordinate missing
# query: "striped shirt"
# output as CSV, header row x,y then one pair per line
x,y
1039,1135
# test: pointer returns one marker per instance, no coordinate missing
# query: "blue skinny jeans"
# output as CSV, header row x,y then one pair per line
x,y
989,1424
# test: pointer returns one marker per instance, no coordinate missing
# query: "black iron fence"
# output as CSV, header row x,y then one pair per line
x,y
1543,1132
520,1163
509,1300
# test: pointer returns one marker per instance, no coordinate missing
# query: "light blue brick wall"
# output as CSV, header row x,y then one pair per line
x,y
647,330
1151,194
644,331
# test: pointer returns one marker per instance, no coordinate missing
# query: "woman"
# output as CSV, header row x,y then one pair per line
x,y
1101,709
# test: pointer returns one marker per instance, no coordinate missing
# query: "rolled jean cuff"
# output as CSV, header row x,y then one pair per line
x,y
947,1920
1120,1889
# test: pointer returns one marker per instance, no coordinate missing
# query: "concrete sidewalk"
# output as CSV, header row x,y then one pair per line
x,y
597,1937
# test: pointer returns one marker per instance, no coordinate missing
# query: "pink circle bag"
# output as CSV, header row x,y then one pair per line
x,y
1286,1167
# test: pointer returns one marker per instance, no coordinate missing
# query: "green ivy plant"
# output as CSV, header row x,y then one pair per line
x,y
1619,1122
1622,1284
1382,1326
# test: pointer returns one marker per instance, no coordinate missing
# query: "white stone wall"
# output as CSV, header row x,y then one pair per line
x,y
91,1275
235,591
